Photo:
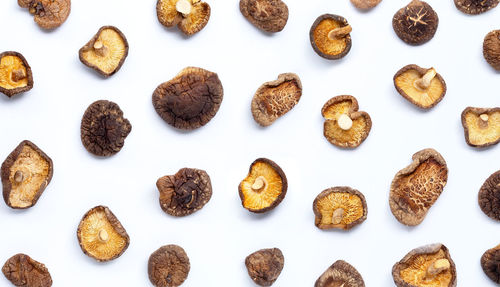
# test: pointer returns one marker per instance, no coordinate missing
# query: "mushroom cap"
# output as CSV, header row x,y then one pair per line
x,y
475,7
267,15
340,273
480,133
168,266
22,270
331,49
490,262
49,14
264,266
365,4
415,23
489,196
9,62
491,49
190,24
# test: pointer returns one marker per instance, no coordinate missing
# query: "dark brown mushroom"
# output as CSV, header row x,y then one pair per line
x,y
491,49
416,187
15,74
49,14
429,265
415,23
481,126
190,16
490,262
185,192
276,98
190,100
168,266
21,270
264,266
267,15
26,172
341,274
474,7
264,187
489,196
330,36
339,207
106,51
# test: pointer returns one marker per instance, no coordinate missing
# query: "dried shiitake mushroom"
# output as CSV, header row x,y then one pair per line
x,y
424,88
429,265
276,98
489,197
416,23
365,4
190,16
21,270
26,172
264,187
267,15
101,235
330,36
416,187
491,49
106,51
49,14
339,207
168,266
185,192
264,266
190,100
15,74
481,126
340,274
104,129
344,125
474,7
490,262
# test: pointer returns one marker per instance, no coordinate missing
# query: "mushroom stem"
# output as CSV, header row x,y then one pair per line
x,y
103,235
259,183
483,121
425,82
193,194
183,7
339,32
100,49
344,122
337,216
18,176
18,75
437,267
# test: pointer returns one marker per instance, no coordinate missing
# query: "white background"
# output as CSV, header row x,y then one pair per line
x,y
220,236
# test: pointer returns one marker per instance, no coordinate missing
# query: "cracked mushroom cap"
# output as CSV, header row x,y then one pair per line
x,y
491,49
106,51
101,235
330,36
345,126
365,4
190,16
424,88
415,23
474,7
340,274
264,266
339,207
490,262
49,14
26,172
489,197
416,187
481,126
22,270
429,265
15,74
168,266
267,15
276,98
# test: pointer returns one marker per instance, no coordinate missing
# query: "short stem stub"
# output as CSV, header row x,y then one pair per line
x,y
18,75
425,82
483,121
103,235
337,216
184,7
437,267
193,194
100,49
345,122
259,183
340,32
18,176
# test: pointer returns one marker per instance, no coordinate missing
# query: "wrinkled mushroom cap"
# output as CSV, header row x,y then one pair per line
x,y
405,81
481,126
489,196
264,187
490,262
331,49
49,14
22,270
264,266
415,23
267,15
491,49
26,172
274,99
189,24
101,235
168,266
340,274
474,7
15,74
365,4
416,188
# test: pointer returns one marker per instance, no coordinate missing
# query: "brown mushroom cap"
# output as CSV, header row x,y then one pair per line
x,y
365,4
424,88
106,51
168,266
339,274
22,270
264,266
481,126
339,207
415,23
489,197
416,187
26,172
49,14
185,192
331,48
264,187
274,99
490,262
429,265
491,49
190,16
15,74
474,7
336,111
267,15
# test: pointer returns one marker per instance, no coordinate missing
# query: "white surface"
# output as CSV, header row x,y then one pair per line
x,y
220,236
